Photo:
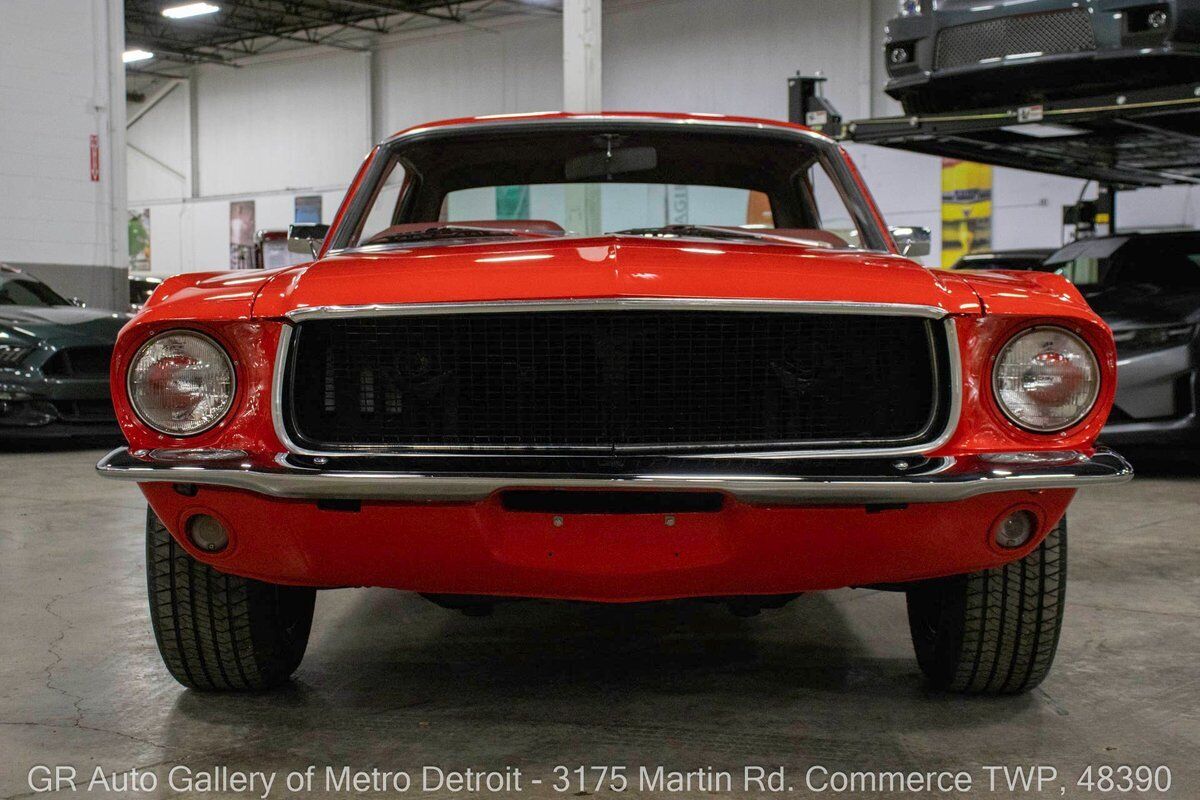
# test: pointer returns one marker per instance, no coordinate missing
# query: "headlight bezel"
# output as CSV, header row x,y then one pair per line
x,y
226,357
1011,417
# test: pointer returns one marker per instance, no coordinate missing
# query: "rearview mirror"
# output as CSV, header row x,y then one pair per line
x,y
611,162
306,239
913,242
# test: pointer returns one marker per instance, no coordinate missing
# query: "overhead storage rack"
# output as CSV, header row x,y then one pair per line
x,y
1141,138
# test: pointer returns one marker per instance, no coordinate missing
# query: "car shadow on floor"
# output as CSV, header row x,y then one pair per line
x,y
392,666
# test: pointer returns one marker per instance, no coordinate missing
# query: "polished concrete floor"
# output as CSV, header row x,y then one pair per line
x,y
393,682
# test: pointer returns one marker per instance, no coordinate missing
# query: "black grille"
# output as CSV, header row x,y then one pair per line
x,y
1053,32
85,410
600,380
79,362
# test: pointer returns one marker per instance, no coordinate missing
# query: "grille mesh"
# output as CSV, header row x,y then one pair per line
x,y
1053,32
79,362
610,379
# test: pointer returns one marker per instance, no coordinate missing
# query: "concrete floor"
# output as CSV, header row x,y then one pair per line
x,y
391,681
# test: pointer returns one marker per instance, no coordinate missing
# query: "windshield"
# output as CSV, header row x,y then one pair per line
x,y
22,291
602,178
1165,261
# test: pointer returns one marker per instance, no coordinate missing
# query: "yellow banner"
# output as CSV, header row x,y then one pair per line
x,y
966,209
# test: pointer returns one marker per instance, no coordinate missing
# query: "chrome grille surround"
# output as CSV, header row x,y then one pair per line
x,y
953,394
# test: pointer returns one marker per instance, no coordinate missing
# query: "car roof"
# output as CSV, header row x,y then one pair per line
x,y
1106,246
534,117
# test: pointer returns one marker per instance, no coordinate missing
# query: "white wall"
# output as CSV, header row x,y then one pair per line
x,y
59,74
734,56
301,124
460,72
159,149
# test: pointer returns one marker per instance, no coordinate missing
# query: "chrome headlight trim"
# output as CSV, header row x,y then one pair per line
x,y
188,333
1025,425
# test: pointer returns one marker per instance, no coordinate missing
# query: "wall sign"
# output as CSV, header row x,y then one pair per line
x,y
94,157
308,210
966,209
241,235
139,240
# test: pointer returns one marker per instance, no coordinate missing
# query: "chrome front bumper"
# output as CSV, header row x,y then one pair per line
x,y
936,480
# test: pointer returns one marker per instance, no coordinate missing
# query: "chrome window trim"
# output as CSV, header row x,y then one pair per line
x,y
648,303
863,209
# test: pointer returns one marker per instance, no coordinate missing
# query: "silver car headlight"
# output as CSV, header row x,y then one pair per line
x,y
1159,337
181,383
1046,379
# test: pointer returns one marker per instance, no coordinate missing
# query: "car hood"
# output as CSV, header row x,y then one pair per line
x,y
607,267
1143,305
61,325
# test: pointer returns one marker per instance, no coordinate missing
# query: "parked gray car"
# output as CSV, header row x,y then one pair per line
x,y
1147,288
1029,259
53,362
945,55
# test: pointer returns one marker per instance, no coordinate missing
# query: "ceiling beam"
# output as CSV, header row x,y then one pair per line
x,y
150,102
420,11
185,55
303,10
265,33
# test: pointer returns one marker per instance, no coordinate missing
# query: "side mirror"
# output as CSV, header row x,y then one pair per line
x,y
306,239
913,242
75,301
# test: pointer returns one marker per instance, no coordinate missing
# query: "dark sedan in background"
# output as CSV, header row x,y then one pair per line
x,y
1030,259
53,362
948,55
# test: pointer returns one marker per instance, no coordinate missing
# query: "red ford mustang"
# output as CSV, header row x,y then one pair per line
x,y
613,358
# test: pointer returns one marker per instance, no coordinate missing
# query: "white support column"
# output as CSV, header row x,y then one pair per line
x,y
581,55
582,92
114,118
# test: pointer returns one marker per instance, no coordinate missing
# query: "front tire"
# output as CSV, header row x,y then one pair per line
x,y
220,632
995,631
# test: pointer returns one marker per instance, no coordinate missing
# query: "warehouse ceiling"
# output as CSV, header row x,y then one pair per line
x,y
239,29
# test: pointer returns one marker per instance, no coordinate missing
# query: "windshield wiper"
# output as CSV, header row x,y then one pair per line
x,y
704,231
449,232
729,234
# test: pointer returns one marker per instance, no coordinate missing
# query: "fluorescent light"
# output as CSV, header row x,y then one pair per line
x,y
190,10
135,55
1041,130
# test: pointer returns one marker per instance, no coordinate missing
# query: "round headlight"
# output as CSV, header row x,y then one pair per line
x,y
1046,379
181,383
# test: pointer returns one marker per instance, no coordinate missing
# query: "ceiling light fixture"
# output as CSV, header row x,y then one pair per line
x,y
136,55
190,10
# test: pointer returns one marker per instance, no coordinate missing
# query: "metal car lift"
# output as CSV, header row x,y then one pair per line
x,y
1142,138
